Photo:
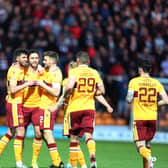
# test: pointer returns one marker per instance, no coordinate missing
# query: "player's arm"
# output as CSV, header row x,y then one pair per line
x,y
40,69
61,101
130,93
14,88
164,99
54,90
130,96
100,90
103,101
70,85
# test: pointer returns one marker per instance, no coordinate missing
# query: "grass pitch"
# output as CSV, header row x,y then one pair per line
x,y
109,154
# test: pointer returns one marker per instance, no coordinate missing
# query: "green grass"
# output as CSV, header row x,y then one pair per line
x,y
109,154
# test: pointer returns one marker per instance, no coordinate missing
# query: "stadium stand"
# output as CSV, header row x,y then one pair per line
x,y
114,32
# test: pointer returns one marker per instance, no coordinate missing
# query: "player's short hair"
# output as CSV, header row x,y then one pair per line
x,y
83,57
33,51
19,51
145,65
52,54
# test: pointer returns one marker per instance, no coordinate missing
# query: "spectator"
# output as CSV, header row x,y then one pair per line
x,y
164,66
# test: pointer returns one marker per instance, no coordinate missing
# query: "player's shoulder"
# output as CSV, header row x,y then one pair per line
x,y
55,71
74,70
154,80
93,70
13,69
135,79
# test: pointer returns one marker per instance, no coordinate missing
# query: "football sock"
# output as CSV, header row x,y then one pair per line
x,y
4,141
18,148
145,161
73,156
145,152
22,149
37,143
81,158
92,149
54,154
69,161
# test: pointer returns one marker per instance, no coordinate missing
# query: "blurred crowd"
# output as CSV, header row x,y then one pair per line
x,y
116,33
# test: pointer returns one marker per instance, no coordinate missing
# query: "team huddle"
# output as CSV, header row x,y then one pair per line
x,y
36,93
33,94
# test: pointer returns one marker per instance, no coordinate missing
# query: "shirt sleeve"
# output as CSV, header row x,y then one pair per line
x,y
99,81
57,76
131,86
160,88
72,73
13,76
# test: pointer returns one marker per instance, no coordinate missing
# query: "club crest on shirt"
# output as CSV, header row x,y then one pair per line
x,y
21,121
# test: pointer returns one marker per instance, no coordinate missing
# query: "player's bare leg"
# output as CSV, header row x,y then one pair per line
x,y
91,148
6,138
37,143
18,146
52,146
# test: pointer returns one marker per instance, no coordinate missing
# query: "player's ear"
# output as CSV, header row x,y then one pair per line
x,y
17,59
139,70
150,70
77,60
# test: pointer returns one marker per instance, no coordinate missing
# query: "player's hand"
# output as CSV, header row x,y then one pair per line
x,y
52,108
40,69
6,98
31,83
57,106
109,109
40,83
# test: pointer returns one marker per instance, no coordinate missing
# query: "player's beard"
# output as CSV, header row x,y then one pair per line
x,y
33,65
46,67
23,64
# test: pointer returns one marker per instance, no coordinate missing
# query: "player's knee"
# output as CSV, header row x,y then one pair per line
x,y
140,144
38,135
74,138
48,136
20,131
87,136
11,132
148,144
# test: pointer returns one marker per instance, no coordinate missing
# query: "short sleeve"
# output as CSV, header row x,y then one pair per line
x,y
72,73
131,86
160,88
13,76
99,81
57,76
